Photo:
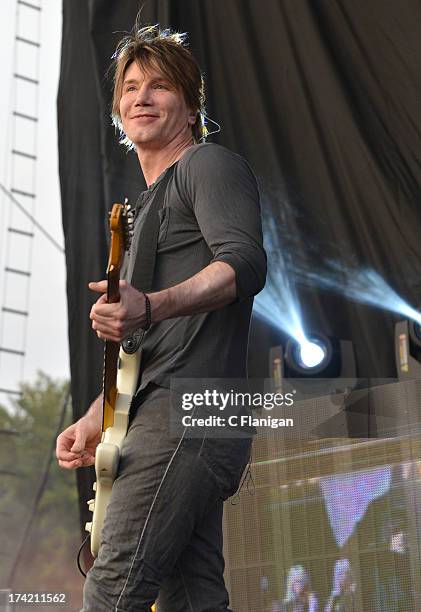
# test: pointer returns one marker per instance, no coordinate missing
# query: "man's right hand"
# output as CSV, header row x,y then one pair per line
x,y
76,445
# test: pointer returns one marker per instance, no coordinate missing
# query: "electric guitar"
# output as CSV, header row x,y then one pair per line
x,y
120,380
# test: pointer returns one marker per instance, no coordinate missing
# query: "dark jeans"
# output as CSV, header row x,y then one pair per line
x,y
163,528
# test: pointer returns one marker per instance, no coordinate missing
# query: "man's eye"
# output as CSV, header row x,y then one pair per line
x,y
160,86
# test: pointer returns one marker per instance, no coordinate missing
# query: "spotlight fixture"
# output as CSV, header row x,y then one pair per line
x,y
317,356
321,371
310,357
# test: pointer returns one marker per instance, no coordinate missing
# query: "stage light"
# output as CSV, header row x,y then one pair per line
x,y
311,354
309,357
317,356
365,286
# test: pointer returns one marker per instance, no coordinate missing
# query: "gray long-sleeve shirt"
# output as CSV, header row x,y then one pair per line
x,y
211,213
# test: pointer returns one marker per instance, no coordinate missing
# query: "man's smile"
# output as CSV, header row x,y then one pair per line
x,y
145,116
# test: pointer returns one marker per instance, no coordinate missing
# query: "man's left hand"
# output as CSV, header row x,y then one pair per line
x,y
121,319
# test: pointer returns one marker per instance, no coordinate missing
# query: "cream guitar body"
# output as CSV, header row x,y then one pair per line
x,y
107,454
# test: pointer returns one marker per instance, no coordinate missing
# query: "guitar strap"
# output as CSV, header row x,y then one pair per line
x,y
144,267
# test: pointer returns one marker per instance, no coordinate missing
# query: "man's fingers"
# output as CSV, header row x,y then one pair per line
x,y
107,329
65,455
72,461
98,286
88,460
64,443
105,310
102,308
106,335
101,300
76,445
79,443
70,465
100,320
115,321
111,325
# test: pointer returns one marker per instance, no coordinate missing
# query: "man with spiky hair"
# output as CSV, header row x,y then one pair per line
x,y
162,534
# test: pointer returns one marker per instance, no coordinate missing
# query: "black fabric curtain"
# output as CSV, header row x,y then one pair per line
x,y
321,96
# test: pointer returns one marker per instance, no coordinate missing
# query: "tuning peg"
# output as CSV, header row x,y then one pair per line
x,y
88,526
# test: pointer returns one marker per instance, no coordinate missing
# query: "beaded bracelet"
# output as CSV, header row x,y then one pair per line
x,y
148,312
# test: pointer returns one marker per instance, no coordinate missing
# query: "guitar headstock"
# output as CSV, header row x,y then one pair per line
x,y
121,229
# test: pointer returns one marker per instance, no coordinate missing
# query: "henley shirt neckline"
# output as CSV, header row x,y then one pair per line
x,y
144,195
147,193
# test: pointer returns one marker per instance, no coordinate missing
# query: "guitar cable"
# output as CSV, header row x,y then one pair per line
x,y
78,555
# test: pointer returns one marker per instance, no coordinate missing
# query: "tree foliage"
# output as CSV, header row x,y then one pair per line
x,y
28,432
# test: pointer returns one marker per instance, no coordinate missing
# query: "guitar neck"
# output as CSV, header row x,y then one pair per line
x,y
113,290
111,351
120,228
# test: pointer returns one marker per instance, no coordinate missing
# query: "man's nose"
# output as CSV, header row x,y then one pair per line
x,y
143,96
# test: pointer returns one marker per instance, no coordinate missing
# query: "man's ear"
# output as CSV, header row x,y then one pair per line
x,y
192,118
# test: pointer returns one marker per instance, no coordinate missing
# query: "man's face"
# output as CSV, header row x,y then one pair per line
x,y
153,113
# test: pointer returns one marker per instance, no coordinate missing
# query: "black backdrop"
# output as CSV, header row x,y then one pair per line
x,y
323,98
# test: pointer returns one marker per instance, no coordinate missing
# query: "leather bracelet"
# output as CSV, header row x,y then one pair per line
x,y
148,312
